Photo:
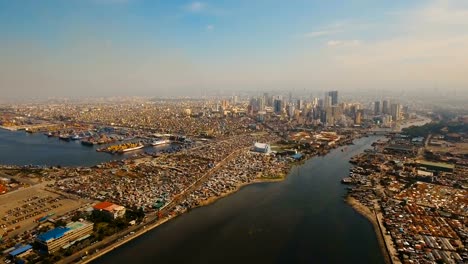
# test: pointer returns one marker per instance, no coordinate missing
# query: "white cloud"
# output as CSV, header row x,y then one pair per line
x,y
196,7
316,34
344,43
210,27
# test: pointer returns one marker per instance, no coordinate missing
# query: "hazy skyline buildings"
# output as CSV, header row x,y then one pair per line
x,y
386,107
334,97
98,48
377,110
395,110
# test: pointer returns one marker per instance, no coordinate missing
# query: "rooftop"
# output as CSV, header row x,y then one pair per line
x,y
20,250
436,164
53,234
102,205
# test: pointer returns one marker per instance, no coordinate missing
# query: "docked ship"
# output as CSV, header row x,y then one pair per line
x,y
88,142
76,137
64,137
139,146
122,148
160,142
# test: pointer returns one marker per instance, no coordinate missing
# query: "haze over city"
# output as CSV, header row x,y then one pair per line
x,y
248,131
79,48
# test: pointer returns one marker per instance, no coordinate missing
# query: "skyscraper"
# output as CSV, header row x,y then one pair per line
x,y
261,103
327,102
377,108
278,106
299,104
395,111
385,107
334,97
358,117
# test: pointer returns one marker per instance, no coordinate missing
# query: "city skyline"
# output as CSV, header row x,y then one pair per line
x,y
148,48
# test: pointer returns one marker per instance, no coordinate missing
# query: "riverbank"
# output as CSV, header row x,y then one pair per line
x,y
113,246
213,199
209,201
372,217
281,175
9,128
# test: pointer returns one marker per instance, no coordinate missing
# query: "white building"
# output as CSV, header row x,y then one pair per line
x,y
261,147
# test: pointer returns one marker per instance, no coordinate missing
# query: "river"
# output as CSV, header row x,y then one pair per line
x,y
300,220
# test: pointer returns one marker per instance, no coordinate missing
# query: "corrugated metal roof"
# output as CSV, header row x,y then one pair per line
x,y
53,234
102,205
436,164
20,250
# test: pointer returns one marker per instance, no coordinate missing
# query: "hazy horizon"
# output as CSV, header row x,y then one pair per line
x,y
99,48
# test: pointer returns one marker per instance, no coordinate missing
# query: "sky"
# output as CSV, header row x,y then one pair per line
x,y
81,48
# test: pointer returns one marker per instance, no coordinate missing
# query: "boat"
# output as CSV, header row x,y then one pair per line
x,y
64,137
160,142
347,180
140,146
88,142
76,137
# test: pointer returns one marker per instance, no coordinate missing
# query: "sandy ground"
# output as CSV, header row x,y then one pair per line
x,y
19,198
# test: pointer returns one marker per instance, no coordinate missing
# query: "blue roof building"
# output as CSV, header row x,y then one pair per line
x,y
60,237
20,250
53,234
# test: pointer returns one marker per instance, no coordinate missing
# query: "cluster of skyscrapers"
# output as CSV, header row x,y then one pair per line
x,y
326,111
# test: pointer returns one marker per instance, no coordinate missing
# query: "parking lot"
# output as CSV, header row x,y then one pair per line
x,y
25,208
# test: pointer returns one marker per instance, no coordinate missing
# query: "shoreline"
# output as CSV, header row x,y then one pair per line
x,y
206,202
372,218
213,199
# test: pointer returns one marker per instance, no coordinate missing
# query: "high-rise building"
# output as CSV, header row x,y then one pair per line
x,y
377,108
334,97
278,106
268,99
299,104
261,104
320,103
290,109
358,117
386,107
395,111
327,101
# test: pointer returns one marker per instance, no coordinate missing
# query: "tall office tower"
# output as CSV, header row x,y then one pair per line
x,y
224,104
299,104
358,117
290,97
315,102
386,107
234,100
290,110
254,104
278,106
395,111
261,103
334,97
320,103
268,101
327,101
377,108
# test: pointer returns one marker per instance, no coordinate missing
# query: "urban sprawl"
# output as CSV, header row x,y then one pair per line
x,y
184,153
